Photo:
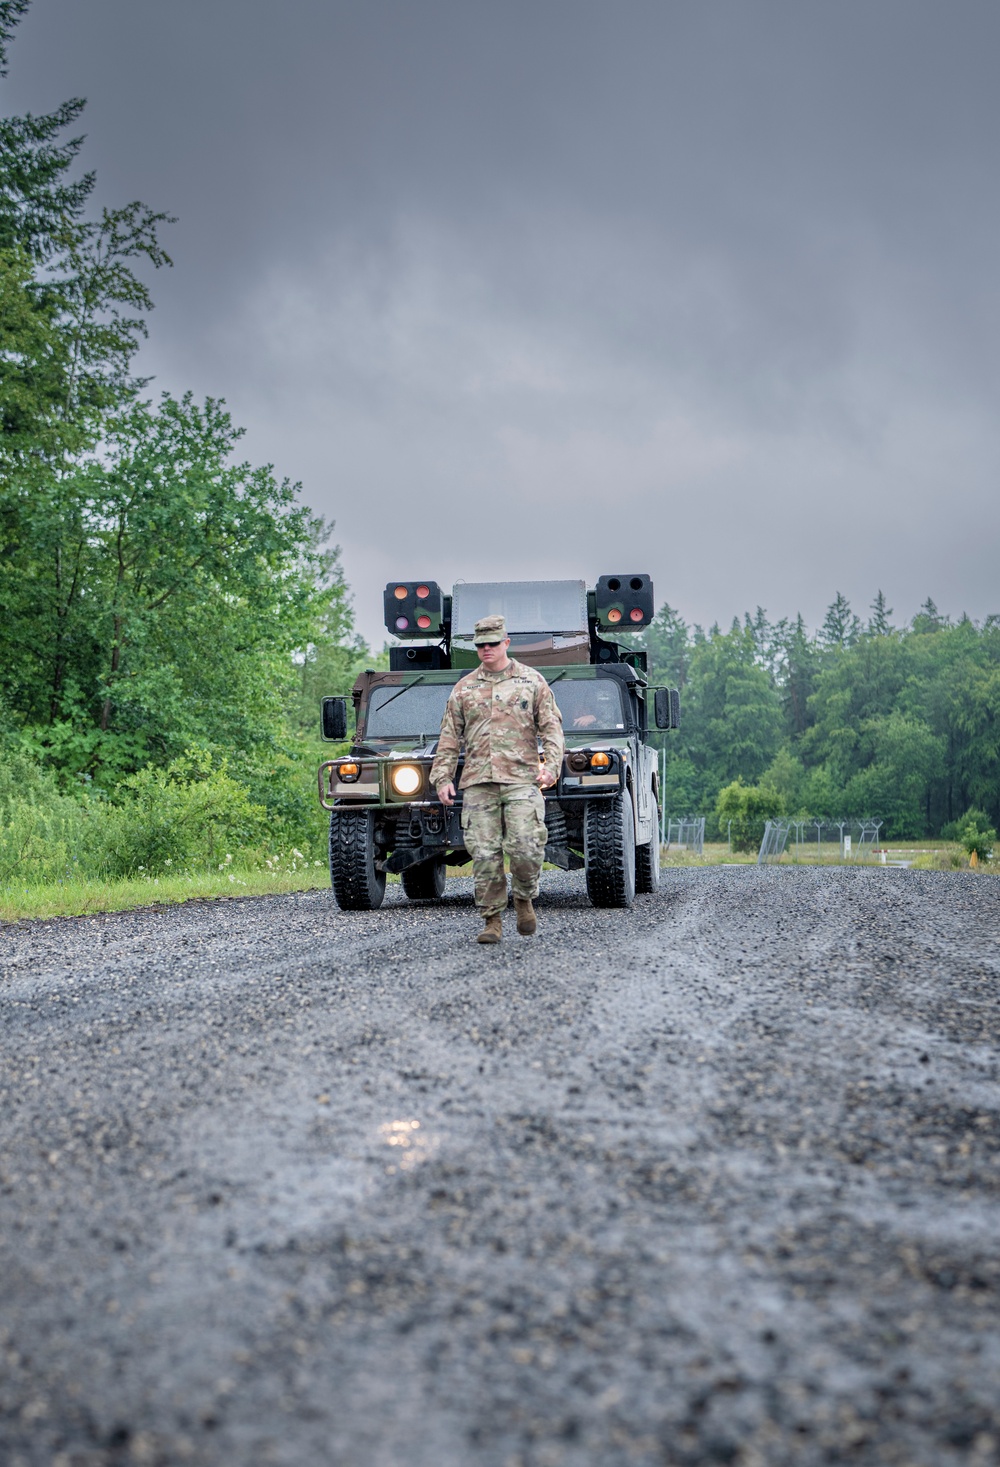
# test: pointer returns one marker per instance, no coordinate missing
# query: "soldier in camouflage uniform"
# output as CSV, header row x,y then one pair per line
x,y
499,712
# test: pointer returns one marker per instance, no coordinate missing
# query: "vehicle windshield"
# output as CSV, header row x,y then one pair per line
x,y
404,712
395,712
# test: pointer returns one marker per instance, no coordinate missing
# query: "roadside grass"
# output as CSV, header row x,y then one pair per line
x,y
928,855
75,898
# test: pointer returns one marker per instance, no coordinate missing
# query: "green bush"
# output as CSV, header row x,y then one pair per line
x,y
189,815
41,831
748,807
976,834
41,843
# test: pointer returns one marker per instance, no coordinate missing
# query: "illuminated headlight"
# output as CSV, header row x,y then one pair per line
x,y
348,772
406,779
600,761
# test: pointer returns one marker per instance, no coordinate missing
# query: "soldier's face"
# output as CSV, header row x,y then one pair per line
x,y
493,655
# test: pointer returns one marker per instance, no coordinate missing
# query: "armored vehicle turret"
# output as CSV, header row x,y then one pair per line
x,y
603,812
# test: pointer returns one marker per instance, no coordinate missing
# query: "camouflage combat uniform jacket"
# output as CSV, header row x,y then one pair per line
x,y
499,717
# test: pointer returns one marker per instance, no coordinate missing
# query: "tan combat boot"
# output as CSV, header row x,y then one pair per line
x,y
527,924
493,931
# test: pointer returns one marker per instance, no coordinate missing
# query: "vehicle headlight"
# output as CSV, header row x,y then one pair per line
x,y
406,779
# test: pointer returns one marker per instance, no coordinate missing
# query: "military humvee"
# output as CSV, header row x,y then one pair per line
x,y
602,815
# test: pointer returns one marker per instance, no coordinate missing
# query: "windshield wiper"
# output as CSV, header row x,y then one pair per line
x,y
405,688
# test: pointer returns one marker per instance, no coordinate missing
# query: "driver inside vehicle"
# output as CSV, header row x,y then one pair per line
x,y
605,710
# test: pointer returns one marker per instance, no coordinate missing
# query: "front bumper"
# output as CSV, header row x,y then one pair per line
x,y
374,788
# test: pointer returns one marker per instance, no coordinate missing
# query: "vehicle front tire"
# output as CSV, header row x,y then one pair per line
x,y
647,863
609,852
425,882
357,886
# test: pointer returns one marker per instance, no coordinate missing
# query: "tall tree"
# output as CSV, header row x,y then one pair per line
x,y
928,618
734,720
768,638
841,628
899,758
138,562
667,645
797,680
79,277
879,624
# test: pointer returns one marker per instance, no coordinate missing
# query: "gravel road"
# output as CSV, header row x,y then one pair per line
x,y
713,1180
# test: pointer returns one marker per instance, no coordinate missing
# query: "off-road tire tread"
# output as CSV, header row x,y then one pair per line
x,y
357,886
604,841
425,883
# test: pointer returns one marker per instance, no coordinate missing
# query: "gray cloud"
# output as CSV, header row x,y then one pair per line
x,y
553,289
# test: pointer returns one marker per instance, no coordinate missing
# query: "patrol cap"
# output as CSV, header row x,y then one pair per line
x,y
490,629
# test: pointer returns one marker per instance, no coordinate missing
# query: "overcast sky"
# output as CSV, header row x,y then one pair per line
x,y
536,288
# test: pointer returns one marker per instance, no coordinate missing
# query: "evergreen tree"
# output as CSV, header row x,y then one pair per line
x,y
800,668
928,619
879,624
841,628
77,275
37,202
668,648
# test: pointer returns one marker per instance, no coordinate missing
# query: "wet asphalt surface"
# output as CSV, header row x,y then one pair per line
x,y
716,1180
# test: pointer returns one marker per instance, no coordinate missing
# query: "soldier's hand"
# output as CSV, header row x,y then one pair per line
x,y
546,778
446,793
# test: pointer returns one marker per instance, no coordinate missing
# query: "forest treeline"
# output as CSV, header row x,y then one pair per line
x,y
170,614
860,719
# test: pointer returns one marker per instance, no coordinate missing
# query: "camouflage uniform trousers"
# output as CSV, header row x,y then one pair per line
x,y
499,818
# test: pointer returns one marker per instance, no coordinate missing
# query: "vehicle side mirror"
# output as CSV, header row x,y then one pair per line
x,y
335,719
667,708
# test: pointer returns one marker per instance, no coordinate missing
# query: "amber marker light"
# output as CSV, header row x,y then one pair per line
x,y
401,593
600,761
614,614
406,779
348,773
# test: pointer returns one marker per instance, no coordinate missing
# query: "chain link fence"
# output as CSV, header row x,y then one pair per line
x,y
688,834
818,842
